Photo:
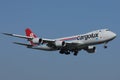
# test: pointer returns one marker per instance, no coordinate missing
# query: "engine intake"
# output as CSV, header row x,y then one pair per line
x,y
37,40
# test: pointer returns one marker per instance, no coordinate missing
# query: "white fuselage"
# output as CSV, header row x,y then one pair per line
x,y
83,40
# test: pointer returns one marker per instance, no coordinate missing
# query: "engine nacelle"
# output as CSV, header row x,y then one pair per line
x,y
91,49
37,40
60,43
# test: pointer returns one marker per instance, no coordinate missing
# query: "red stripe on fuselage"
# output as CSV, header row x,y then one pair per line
x,y
72,38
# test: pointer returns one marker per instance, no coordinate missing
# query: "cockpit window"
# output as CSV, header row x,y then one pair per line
x,y
107,30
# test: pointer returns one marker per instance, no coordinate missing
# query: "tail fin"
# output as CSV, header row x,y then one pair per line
x,y
29,33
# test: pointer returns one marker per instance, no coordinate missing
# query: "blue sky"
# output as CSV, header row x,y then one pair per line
x,y
53,19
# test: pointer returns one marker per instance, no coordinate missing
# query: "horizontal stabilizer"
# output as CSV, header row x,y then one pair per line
x,y
23,44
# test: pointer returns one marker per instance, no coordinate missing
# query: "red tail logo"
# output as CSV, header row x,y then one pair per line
x,y
29,33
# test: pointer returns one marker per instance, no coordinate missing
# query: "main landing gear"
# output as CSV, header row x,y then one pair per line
x,y
67,52
75,52
64,52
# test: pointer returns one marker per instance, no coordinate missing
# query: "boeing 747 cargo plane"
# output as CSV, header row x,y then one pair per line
x,y
67,45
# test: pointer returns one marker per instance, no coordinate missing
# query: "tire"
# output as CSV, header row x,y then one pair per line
x,y
67,53
75,53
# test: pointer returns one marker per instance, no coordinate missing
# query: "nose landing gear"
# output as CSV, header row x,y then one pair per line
x,y
105,45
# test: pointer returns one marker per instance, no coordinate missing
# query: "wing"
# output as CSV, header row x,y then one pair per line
x,y
49,41
19,36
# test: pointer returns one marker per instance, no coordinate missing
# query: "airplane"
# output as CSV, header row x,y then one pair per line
x,y
67,45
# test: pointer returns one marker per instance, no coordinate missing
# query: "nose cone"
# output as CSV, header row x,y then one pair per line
x,y
113,35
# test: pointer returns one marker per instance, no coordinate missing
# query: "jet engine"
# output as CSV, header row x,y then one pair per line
x,y
60,43
37,40
90,49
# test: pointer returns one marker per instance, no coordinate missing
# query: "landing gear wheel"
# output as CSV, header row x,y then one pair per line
x,y
105,46
75,53
61,52
67,53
